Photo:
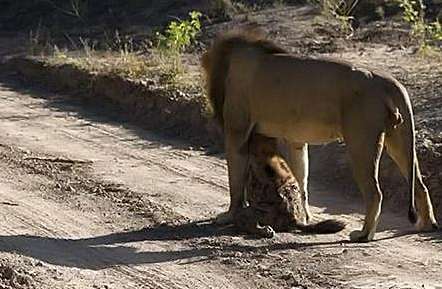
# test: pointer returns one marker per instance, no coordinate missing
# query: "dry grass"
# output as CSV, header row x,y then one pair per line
x,y
164,62
154,66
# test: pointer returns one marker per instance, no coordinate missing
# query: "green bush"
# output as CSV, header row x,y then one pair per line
x,y
178,36
414,13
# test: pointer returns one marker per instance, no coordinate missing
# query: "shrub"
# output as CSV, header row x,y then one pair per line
x,y
178,36
414,14
340,10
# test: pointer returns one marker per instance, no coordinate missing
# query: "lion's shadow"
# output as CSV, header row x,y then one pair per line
x,y
199,241
140,246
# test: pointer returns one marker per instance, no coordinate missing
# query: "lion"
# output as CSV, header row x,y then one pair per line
x,y
253,83
273,195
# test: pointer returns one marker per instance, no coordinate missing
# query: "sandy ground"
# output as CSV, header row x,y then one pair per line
x,y
90,201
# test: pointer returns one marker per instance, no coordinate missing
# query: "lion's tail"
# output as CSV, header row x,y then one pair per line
x,y
323,227
401,135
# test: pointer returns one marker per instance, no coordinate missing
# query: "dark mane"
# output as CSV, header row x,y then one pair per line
x,y
217,59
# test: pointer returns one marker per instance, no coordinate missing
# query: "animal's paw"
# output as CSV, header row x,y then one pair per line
x,y
426,225
360,236
225,218
267,232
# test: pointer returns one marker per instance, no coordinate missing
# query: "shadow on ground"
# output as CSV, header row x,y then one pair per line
x,y
126,248
100,112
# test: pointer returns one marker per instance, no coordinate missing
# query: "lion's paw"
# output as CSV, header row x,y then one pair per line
x,y
360,236
267,232
426,226
225,218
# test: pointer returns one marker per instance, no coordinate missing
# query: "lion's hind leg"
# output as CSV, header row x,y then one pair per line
x,y
365,148
399,146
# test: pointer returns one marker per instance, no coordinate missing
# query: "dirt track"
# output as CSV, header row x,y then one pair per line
x,y
89,201
92,203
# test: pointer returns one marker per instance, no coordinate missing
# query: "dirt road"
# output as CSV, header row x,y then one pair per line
x,y
88,201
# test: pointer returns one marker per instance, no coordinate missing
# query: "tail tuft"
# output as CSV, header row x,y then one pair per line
x,y
324,227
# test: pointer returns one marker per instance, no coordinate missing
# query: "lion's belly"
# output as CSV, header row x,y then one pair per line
x,y
313,133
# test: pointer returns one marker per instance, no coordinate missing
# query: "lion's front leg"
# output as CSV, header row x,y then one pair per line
x,y
237,169
298,156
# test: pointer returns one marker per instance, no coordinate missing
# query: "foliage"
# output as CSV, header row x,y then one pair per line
x,y
414,13
178,36
340,10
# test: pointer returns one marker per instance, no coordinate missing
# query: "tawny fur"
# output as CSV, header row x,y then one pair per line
x,y
273,195
216,62
253,83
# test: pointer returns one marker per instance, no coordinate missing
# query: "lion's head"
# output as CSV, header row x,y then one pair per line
x,y
215,61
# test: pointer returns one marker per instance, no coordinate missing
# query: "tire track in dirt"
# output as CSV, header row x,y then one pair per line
x,y
82,236
43,235
50,232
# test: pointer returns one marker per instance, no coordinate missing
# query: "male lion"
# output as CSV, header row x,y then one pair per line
x,y
254,83
274,196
